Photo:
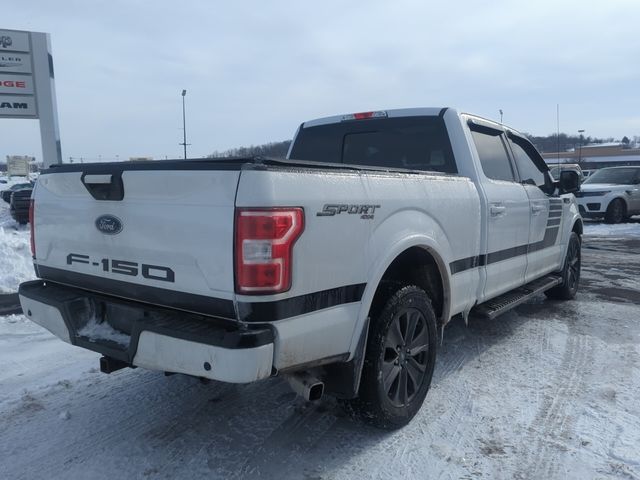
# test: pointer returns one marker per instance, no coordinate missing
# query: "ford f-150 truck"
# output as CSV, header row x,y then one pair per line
x,y
334,267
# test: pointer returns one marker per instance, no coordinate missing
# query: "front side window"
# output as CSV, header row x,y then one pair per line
x,y
493,156
529,172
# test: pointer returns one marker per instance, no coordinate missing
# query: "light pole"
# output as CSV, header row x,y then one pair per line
x,y
580,147
500,115
184,126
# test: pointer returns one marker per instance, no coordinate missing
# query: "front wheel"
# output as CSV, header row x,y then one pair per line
x,y
616,211
570,272
399,360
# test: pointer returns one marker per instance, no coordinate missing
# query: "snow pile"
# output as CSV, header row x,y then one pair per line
x,y
16,265
618,230
95,331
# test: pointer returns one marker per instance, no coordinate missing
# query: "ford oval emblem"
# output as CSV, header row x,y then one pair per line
x,y
109,224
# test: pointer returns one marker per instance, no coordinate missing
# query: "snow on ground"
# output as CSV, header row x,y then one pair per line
x,y
546,391
16,265
632,228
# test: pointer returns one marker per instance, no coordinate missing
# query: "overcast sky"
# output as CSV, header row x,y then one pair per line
x,y
254,70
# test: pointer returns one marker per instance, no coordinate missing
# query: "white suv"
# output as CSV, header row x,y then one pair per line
x,y
612,193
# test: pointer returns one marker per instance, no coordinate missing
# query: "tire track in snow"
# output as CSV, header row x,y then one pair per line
x,y
553,424
99,416
276,457
212,429
62,443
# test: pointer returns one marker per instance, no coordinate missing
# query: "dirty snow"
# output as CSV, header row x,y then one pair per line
x,y
15,250
547,391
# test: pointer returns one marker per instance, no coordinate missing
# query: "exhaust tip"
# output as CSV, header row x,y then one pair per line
x,y
316,391
306,385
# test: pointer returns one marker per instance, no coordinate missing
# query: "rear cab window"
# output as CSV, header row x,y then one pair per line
x,y
413,143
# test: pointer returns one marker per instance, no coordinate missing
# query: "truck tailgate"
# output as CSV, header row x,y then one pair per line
x,y
170,233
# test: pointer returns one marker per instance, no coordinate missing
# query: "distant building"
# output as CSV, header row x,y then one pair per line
x,y
596,156
140,159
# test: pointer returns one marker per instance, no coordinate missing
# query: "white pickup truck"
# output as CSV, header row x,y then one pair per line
x,y
334,267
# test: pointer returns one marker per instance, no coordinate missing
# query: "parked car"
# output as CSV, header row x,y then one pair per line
x,y
334,267
6,194
611,193
19,205
573,167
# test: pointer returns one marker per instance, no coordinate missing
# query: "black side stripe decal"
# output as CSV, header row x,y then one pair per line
x,y
507,253
467,263
291,307
211,306
550,237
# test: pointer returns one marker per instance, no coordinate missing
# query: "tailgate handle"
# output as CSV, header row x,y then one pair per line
x,y
104,186
93,179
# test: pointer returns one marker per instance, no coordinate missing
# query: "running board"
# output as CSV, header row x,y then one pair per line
x,y
499,305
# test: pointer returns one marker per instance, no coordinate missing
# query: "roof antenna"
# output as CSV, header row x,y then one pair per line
x,y
558,139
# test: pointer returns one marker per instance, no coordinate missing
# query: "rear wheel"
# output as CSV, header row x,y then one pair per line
x,y
616,211
570,272
399,360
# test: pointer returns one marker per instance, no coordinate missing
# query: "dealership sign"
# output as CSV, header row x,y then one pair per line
x,y
27,88
18,165
12,84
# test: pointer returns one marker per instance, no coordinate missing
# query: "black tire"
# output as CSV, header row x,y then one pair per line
x,y
393,402
616,211
570,272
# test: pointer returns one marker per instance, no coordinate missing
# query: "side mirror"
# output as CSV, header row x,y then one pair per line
x,y
569,182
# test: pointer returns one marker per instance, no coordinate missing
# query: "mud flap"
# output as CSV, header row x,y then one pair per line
x,y
342,380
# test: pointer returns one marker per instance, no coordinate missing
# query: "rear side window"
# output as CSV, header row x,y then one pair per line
x,y
415,143
493,156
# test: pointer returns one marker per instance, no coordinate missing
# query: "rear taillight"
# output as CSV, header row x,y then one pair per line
x,y
264,241
32,225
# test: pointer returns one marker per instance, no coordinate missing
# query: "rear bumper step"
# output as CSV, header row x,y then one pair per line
x,y
499,305
134,334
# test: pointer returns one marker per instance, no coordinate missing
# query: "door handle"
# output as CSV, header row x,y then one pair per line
x,y
497,210
536,208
